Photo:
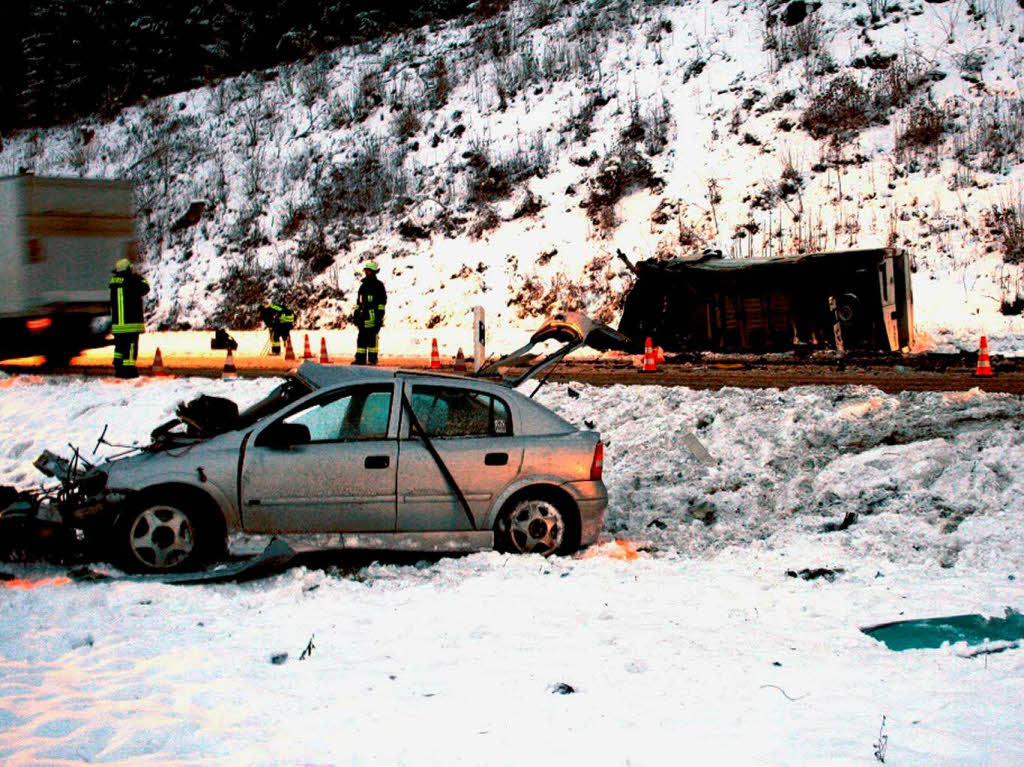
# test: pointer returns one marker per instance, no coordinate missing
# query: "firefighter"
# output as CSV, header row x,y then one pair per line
x,y
369,314
279,320
126,291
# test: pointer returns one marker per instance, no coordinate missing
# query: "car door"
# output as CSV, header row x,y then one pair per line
x,y
327,465
473,432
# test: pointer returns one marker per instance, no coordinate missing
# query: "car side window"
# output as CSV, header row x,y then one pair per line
x,y
359,414
455,412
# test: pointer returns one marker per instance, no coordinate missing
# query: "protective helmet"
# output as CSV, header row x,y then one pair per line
x,y
371,265
123,265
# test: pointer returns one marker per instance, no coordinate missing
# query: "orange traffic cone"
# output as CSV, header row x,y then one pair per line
x,y
307,353
158,364
650,361
229,366
460,362
324,359
984,366
289,352
435,358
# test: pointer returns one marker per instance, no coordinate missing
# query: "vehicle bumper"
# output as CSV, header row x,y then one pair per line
x,y
592,499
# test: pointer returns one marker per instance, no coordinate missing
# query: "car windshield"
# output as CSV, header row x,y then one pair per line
x,y
285,394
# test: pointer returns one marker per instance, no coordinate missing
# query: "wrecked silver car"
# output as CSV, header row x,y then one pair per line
x,y
376,458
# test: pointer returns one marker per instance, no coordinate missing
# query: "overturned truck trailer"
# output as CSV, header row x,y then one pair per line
x,y
856,299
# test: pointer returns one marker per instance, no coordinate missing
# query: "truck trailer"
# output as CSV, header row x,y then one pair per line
x,y
59,240
855,299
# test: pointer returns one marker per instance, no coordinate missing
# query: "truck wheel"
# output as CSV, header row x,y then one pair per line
x,y
164,535
535,523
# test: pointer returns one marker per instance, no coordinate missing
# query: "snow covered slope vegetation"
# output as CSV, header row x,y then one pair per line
x,y
503,161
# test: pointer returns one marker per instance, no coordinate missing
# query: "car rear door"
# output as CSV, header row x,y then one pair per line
x,y
339,477
473,432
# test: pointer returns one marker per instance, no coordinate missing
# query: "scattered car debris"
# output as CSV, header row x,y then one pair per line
x,y
989,634
848,519
563,688
813,574
309,648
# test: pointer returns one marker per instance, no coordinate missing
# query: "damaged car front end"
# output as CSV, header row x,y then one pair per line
x,y
130,493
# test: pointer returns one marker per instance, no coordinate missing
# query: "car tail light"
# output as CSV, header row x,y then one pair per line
x,y
38,325
597,466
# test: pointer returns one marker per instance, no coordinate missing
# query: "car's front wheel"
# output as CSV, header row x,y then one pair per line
x,y
534,524
160,536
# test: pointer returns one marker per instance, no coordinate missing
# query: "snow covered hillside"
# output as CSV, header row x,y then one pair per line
x,y
700,635
504,163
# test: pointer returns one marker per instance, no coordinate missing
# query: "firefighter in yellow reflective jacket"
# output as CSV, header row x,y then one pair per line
x,y
369,314
126,291
279,320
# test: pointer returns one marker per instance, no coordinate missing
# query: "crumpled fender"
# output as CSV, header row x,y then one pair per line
x,y
142,481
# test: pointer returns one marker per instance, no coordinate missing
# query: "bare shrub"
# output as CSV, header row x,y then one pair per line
x,y
313,250
895,86
513,73
993,139
243,293
581,123
486,220
841,106
370,183
492,178
313,84
594,293
438,83
788,44
406,123
926,124
622,171
540,13
358,102
1006,221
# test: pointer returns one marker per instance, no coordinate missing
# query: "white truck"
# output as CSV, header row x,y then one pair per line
x,y
59,241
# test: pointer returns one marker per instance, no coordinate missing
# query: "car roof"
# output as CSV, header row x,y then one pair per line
x,y
536,417
321,376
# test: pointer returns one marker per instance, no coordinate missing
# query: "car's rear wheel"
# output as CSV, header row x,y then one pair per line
x,y
535,524
166,535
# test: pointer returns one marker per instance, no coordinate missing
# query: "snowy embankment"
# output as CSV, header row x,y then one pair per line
x,y
504,162
698,648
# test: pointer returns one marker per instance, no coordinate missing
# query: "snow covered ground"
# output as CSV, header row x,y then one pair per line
x,y
681,635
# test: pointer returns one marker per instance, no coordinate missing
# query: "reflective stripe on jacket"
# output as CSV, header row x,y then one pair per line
x,y
371,303
126,292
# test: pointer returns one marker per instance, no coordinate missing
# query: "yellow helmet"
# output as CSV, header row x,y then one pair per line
x,y
123,265
371,265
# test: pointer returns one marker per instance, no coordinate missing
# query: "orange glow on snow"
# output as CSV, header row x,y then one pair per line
x,y
623,549
25,585
620,548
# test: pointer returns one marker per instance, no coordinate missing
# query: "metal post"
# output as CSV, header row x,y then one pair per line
x,y
479,339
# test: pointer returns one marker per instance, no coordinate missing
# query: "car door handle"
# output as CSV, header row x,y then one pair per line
x,y
377,461
496,459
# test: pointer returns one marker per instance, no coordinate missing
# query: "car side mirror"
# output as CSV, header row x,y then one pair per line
x,y
283,435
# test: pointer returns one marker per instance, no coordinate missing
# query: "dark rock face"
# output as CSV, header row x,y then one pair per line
x,y
795,12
